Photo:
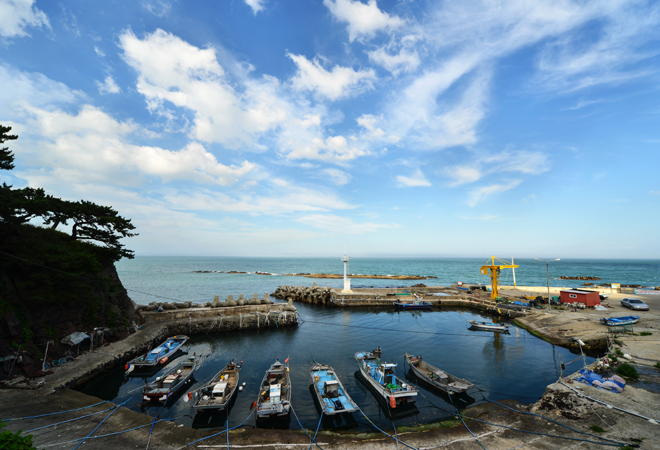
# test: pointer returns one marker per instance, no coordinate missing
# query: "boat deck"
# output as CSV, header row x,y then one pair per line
x,y
329,404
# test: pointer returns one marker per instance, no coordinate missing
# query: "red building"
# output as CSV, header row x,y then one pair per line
x,y
589,298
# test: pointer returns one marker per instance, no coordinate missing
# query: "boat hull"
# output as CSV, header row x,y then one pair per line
x,y
423,306
268,407
206,396
143,363
619,321
321,374
442,381
392,398
482,326
154,392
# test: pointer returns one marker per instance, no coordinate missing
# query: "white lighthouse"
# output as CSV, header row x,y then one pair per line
x,y
347,281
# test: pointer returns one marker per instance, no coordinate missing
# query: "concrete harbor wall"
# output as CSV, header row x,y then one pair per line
x,y
159,326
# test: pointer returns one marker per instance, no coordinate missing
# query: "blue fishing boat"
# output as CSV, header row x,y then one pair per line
x,y
619,321
413,305
159,355
381,377
330,393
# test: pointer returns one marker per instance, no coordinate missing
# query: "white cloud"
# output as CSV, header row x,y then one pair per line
x,y
416,180
99,52
463,174
24,88
520,161
283,198
338,177
530,198
108,86
333,149
480,194
17,15
405,61
159,8
364,20
340,82
341,224
171,70
256,5
93,147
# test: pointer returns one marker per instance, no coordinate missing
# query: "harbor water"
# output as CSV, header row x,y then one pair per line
x,y
514,366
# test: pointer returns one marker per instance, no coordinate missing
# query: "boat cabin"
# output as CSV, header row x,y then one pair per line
x,y
331,389
275,392
219,390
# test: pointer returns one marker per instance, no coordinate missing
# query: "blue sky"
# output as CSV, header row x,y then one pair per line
x,y
289,128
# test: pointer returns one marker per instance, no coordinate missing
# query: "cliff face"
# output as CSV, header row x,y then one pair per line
x,y
54,289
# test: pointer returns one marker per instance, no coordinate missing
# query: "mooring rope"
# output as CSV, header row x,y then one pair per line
x,y
303,428
217,434
70,420
317,432
97,427
374,425
55,413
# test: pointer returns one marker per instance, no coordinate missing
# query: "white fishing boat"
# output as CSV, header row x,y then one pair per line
x,y
483,326
437,378
382,379
275,393
330,393
217,393
163,388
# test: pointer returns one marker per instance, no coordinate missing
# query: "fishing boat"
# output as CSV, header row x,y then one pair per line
x,y
275,393
483,326
619,321
380,376
217,393
330,393
416,304
163,388
437,378
159,355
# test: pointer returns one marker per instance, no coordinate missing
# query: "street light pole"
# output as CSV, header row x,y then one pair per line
x,y
547,272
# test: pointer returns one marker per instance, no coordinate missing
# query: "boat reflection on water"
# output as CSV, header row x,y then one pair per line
x,y
460,401
400,412
342,421
275,422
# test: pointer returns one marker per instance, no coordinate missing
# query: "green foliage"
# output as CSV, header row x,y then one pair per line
x,y
618,352
645,333
626,370
14,441
90,222
613,358
6,156
657,365
597,429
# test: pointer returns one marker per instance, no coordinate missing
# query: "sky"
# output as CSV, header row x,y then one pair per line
x,y
455,128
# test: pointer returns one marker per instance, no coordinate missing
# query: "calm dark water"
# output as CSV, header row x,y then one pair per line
x,y
515,366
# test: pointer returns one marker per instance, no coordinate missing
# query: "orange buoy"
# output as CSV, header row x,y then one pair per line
x,y
164,360
126,367
392,402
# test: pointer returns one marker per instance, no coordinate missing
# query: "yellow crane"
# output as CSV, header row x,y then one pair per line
x,y
495,269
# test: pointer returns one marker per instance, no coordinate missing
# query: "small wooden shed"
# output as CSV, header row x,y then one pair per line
x,y
589,298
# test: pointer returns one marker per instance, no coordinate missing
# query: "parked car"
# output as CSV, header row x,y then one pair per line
x,y
634,304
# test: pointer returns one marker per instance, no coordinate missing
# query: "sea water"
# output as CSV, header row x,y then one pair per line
x,y
151,279
503,366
